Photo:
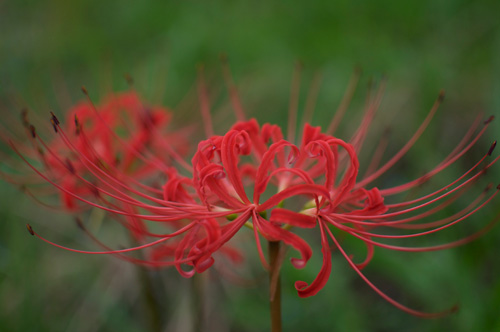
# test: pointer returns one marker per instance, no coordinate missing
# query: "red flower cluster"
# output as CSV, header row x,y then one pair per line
x,y
114,156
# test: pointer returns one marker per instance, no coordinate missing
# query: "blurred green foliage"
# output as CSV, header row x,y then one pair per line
x,y
422,46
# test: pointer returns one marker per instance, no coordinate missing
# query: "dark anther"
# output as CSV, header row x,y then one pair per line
x,y
498,187
79,223
84,90
129,79
95,191
77,126
441,96
24,118
492,147
70,166
491,118
28,226
32,131
488,187
147,119
54,121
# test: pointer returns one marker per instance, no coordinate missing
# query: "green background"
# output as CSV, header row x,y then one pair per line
x,y
48,49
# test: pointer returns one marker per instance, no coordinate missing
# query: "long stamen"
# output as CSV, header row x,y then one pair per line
x,y
406,147
344,104
379,152
117,251
179,213
397,205
350,231
95,169
294,103
152,160
312,98
372,107
448,245
233,91
440,167
407,225
381,293
394,214
204,103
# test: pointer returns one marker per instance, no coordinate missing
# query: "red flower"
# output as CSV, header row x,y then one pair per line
x,y
250,176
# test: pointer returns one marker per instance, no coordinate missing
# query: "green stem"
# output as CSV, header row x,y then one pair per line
x,y
153,307
275,285
198,293
150,288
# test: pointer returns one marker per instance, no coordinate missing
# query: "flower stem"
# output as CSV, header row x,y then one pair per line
x,y
153,307
199,294
275,285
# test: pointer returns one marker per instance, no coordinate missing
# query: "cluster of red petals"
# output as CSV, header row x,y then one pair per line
x,y
120,157
232,172
102,140
89,135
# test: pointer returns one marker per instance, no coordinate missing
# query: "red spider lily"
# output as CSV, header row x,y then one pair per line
x,y
314,170
112,137
252,176
123,113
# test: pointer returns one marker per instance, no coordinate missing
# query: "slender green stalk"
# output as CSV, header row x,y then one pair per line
x,y
199,294
148,281
153,307
275,285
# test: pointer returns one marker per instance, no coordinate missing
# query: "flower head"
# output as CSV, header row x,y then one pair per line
x,y
249,177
